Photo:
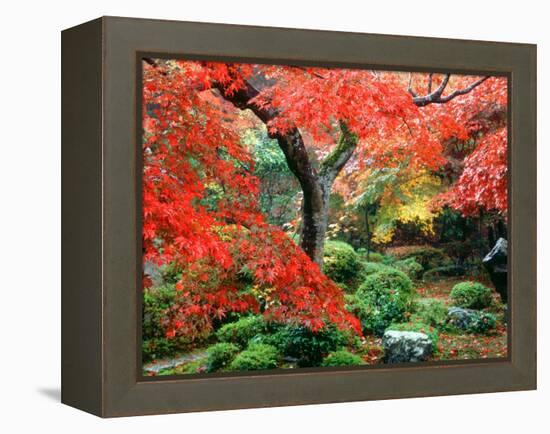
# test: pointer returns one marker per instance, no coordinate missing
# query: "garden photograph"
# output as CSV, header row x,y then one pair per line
x,y
300,217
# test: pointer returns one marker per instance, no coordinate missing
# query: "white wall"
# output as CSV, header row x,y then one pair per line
x,y
30,215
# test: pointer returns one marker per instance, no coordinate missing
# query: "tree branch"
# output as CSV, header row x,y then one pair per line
x,y
291,142
334,162
409,87
463,91
433,97
436,97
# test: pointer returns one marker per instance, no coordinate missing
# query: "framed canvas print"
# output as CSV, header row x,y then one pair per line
x,y
259,216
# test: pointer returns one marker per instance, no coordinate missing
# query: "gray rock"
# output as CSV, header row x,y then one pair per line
x,y
460,317
496,263
153,272
403,346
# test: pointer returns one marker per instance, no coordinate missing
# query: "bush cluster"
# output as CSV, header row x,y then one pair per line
x,y
342,264
155,344
243,330
374,257
432,312
410,267
220,356
471,295
342,358
373,267
305,346
445,271
256,356
482,322
383,298
427,256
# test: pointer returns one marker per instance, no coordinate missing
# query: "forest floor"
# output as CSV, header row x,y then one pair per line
x,y
465,346
451,346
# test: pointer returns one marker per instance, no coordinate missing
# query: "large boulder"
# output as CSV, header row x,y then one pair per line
x,y
404,346
496,263
460,317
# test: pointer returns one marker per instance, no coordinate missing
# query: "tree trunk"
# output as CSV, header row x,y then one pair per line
x,y
315,206
367,230
316,183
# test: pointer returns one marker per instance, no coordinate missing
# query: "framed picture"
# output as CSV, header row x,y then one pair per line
x,y
261,217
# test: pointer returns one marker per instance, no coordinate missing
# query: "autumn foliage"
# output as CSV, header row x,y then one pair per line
x,y
200,192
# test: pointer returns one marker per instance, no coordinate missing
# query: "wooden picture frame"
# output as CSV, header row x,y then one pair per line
x,y
101,232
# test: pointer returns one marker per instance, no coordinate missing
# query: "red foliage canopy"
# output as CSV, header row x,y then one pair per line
x,y
200,196
200,211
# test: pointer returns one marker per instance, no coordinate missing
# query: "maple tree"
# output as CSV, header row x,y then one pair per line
x,y
201,193
191,153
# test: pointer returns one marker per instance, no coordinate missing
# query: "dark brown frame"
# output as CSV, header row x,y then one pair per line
x,y
101,232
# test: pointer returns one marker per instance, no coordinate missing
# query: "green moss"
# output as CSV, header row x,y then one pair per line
x,y
420,327
346,141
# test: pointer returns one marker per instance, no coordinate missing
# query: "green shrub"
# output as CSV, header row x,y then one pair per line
x,y
383,298
410,267
471,295
342,264
431,311
342,358
483,322
220,356
156,348
171,273
427,256
420,327
375,257
307,347
155,344
388,280
155,303
256,356
373,267
243,330
446,271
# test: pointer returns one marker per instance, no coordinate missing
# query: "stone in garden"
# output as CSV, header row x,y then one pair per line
x,y
460,317
405,346
496,263
152,271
